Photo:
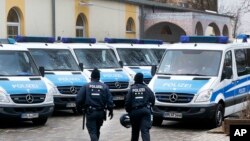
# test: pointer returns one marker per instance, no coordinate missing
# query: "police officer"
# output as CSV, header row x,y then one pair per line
x,y
95,98
138,104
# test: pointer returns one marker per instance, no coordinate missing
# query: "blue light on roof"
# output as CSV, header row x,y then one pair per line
x,y
149,41
204,39
79,40
243,37
35,39
118,40
7,41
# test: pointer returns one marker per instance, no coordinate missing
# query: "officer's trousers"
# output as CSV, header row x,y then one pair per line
x,y
140,121
94,123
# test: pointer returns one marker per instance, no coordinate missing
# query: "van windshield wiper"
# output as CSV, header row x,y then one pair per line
x,y
196,74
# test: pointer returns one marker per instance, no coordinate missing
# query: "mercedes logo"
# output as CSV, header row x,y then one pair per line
x,y
173,97
117,85
73,90
29,98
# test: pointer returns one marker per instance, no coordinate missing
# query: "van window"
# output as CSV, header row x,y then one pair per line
x,y
191,62
227,66
16,63
55,59
241,61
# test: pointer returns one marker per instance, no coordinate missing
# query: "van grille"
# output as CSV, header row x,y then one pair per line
x,y
181,97
28,98
69,89
117,85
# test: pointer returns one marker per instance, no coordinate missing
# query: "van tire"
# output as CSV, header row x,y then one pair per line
x,y
40,121
218,117
157,121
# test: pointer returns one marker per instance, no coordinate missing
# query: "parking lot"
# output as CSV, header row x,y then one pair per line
x,y
65,126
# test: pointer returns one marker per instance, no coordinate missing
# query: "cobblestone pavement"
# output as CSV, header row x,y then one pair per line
x,y
64,126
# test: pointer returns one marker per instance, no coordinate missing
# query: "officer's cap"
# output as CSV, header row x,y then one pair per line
x,y
139,78
95,74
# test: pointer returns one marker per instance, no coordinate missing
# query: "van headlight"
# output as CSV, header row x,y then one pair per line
x,y
49,95
3,98
204,96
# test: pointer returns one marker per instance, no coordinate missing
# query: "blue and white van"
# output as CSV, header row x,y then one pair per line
x,y
97,55
24,93
136,57
61,68
201,78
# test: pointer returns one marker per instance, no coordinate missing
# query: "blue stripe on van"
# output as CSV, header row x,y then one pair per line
x,y
146,72
114,76
67,80
24,87
178,86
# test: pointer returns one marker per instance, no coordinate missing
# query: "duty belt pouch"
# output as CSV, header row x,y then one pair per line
x,y
89,110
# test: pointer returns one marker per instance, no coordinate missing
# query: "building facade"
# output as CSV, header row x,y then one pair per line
x,y
107,18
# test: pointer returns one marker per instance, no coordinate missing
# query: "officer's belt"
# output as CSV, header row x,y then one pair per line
x,y
96,108
138,107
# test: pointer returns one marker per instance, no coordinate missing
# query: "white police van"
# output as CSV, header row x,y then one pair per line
x,y
135,56
24,94
203,78
93,55
61,68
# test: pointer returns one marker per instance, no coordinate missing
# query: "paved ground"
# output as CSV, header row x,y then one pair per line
x,y
64,126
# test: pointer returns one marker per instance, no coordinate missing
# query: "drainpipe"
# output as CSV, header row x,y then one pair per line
x,y
142,21
54,18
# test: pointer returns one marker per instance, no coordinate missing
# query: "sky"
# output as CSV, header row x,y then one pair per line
x,y
232,6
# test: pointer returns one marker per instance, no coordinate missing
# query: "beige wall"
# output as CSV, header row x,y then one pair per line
x,y
38,17
3,30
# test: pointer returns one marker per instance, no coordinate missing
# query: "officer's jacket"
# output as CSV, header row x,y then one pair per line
x,y
139,96
96,95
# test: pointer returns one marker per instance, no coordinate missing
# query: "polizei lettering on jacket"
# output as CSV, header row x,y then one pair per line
x,y
96,86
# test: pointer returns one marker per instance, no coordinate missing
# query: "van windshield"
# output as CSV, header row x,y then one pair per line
x,y
17,63
158,53
191,62
97,58
55,59
137,57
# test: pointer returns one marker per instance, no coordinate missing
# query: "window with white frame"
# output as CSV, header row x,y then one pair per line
x,y
130,27
13,23
80,26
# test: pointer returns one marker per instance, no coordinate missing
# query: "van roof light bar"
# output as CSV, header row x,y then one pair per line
x,y
244,37
150,41
79,40
35,39
119,40
204,39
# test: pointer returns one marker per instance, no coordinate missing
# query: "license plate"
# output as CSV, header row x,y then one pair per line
x,y
71,105
118,98
29,115
172,115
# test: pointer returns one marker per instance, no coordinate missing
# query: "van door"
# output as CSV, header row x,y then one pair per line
x,y
242,86
228,83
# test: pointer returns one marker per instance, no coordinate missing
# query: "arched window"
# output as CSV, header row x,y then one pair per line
x,y
80,26
130,27
13,23
198,29
225,31
166,30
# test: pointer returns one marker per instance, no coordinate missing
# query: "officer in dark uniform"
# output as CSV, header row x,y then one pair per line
x,y
95,98
138,104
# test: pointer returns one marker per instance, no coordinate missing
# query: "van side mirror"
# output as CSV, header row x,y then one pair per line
x,y
227,73
121,63
42,71
153,70
81,66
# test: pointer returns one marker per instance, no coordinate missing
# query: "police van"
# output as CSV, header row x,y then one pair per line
x,y
135,56
24,93
201,78
61,68
96,55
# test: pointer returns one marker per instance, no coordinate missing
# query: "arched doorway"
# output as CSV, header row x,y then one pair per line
x,y
212,30
165,31
198,29
225,31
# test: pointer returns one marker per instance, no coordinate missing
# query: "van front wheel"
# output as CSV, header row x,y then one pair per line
x,y
219,116
39,121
